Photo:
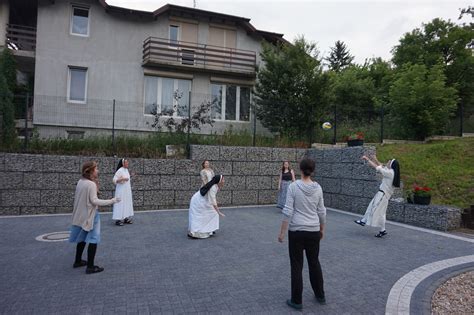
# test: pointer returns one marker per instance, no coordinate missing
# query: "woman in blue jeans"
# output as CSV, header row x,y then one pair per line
x,y
304,216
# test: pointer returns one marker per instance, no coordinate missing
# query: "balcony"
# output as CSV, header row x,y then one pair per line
x,y
21,38
161,52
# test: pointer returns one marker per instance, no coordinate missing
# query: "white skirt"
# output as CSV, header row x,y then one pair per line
x,y
377,209
203,218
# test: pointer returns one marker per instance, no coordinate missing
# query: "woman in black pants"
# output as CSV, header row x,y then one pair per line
x,y
304,216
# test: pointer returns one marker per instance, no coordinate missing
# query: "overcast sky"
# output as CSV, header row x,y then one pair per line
x,y
369,28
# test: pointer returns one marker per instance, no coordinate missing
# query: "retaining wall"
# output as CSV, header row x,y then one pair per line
x,y
36,184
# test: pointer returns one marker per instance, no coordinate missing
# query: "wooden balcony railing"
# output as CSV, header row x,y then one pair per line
x,y
20,37
163,52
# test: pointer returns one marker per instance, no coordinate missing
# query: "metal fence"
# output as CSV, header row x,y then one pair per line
x,y
109,117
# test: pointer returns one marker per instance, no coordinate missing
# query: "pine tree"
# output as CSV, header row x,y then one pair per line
x,y
339,58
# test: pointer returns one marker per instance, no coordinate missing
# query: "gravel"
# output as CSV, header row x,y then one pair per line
x,y
455,296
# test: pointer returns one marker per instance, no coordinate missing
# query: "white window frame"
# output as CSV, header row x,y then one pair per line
x,y
237,103
159,92
69,68
179,36
82,7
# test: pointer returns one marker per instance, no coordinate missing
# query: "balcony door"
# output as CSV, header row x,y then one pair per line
x,y
188,37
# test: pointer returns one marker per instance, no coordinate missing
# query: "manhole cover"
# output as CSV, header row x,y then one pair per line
x,y
54,237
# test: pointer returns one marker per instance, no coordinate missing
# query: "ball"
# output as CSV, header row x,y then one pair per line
x,y
327,125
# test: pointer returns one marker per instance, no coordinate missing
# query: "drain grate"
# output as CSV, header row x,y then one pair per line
x,y
54,237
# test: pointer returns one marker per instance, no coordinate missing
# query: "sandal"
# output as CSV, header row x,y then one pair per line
x,y
119,223
128,221
381,233
361,223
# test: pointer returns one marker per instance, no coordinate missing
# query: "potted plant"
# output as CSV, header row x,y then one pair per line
x,y
355,139
421,195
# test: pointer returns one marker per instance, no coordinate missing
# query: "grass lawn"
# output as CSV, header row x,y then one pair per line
x,y
445,166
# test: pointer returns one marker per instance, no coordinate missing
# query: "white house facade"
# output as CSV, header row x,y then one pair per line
x,y
98,67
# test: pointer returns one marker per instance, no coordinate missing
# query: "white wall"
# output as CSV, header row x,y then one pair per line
x,y
113,55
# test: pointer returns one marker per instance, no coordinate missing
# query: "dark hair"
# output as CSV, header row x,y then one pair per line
x,y
307,167
120,163
283,166
202,164
396,169
214,181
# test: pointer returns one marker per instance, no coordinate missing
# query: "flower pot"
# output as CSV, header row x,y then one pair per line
x,y
355,143
421,200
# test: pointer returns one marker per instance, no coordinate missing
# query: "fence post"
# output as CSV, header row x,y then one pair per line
x,y
113,127
381,124
254,124
335,124
188,148
26,120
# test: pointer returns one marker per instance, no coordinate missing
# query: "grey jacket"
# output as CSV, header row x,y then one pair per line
x,y
304,208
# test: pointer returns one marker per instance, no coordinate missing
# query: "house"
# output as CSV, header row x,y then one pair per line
x,y
98,67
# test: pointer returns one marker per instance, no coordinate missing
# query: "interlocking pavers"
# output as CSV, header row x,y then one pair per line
x,y
152,267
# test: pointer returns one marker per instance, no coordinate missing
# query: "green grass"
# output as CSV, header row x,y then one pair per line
x,y
152,146
445,166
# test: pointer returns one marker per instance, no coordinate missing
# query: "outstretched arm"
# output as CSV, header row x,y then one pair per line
x,y
374,163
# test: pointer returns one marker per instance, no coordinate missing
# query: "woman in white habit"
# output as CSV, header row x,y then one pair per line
x,y
203,210
123,211
377,209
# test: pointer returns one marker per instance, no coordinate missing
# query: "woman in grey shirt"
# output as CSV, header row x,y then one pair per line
x,y
304,216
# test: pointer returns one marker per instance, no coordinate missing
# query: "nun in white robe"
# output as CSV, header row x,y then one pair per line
x,y
375,215
123,211
203,210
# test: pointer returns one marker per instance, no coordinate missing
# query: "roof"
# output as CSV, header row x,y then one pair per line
x,y
176,9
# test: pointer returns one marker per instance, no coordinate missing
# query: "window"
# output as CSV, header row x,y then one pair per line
x,y
73,134
166,95
77,85
230,102
80,21
174,35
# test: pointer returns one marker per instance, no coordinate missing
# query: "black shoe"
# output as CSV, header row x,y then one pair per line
x,y
294,305
78,264
321,300
94,269
361,223
128,221
119,223
381,233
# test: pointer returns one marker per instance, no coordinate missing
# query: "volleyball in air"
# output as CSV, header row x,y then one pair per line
x,y
327,125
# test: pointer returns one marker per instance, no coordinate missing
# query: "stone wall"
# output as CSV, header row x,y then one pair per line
x,y
34,184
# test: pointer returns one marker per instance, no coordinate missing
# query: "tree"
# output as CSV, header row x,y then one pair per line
x,y
8,133
7,87
353,92
443,42
196,120
290,91
420,101
339,58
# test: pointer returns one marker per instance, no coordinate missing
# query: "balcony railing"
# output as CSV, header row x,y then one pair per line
x,y
164,52
20,37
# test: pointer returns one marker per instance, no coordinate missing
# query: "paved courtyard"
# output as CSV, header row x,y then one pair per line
x,y
152,267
